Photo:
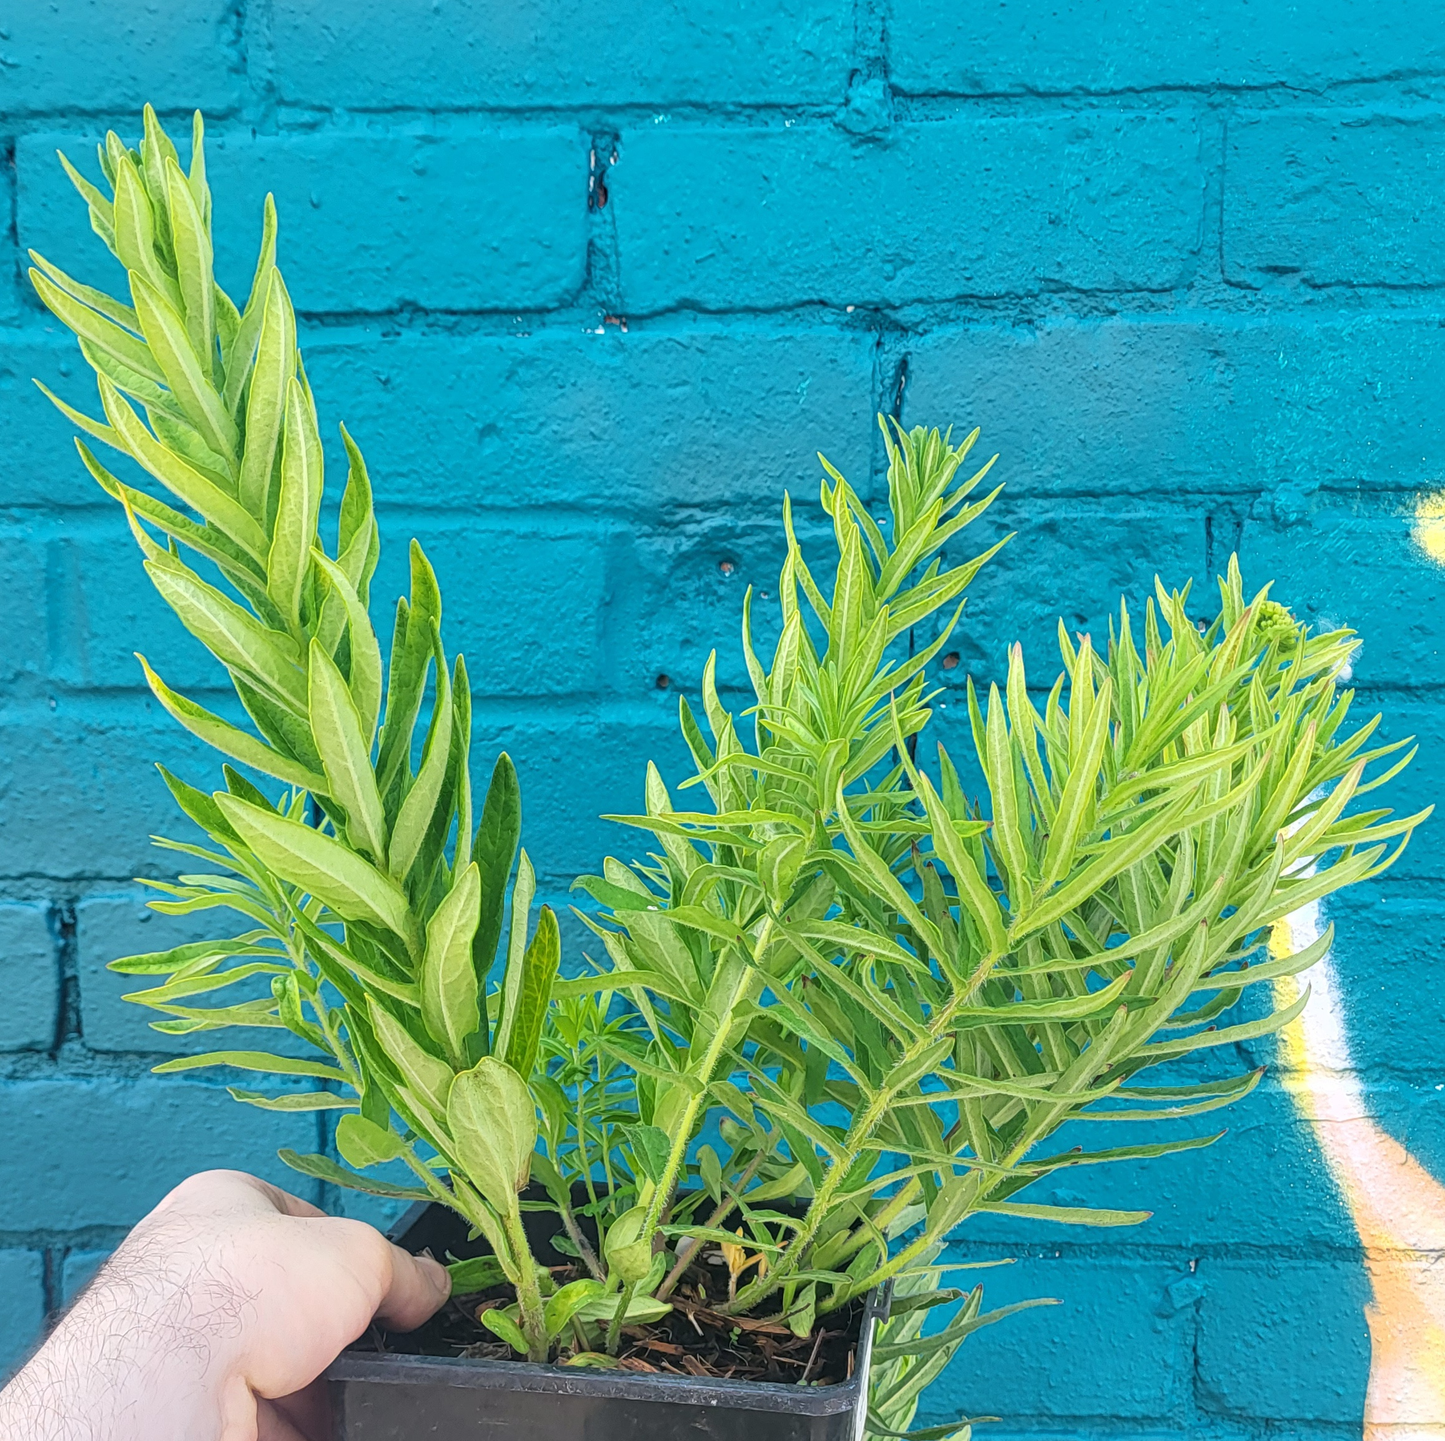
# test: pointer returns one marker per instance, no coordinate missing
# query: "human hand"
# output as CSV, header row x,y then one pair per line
x,y
214,1320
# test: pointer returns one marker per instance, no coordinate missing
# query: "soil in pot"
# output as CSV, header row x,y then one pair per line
x,y
695,1339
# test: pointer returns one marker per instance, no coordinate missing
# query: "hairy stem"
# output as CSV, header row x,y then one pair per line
x,y
614,1326
574,1233
720,1213
529,1294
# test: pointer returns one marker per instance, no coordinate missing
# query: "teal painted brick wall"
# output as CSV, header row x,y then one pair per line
x,y
592,284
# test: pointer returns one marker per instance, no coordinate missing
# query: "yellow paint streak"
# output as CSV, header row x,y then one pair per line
x,y
1397,1206
1429,527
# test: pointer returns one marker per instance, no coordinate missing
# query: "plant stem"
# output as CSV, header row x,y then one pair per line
x,y
858,1134
663,1195
574,1232
614,1326
720,1213
891,1267
529,1295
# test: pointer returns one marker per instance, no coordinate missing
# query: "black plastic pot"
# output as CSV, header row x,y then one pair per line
x,y
392,1396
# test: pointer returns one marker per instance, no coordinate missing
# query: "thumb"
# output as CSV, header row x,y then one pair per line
x,y
418,1288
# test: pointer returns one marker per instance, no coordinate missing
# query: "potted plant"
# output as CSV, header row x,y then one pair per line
x,y
838,1010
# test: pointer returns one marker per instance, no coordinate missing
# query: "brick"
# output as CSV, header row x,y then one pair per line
x,y
1305,544
9,255
488,221
680,591
1113,407
80,795
30,580
709,418
78,604
1033,47
722,219
104,609
109,926
39,466
1334,200
77,1271
1071,561
29,978
22,1284
463,53
1117,1345
525,603
103,1152
1387,957
575,767
1285,1340
93,56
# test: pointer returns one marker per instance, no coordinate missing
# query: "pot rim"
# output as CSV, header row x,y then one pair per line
x,y
482,1373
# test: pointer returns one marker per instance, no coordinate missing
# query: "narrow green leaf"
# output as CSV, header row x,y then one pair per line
x,y
365,679
253,1061
1076,806
449,987
298,507
238,356
135,231
539,970
350,781
323,1168
101,331
414,818
179,477
267,399
295,1100
232,634
1066,1215
122,314
522,892
102,209
428,1078
205,540
320,865
165,333
228,740
495,850
192,243
356,540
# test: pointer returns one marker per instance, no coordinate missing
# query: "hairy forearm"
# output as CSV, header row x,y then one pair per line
x,y
144,1355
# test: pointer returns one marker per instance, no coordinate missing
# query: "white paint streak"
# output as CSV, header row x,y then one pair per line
x,y
1398,1207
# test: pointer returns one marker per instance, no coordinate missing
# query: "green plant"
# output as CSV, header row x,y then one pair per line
x,y
886,998
906,1362
959,987
374,930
